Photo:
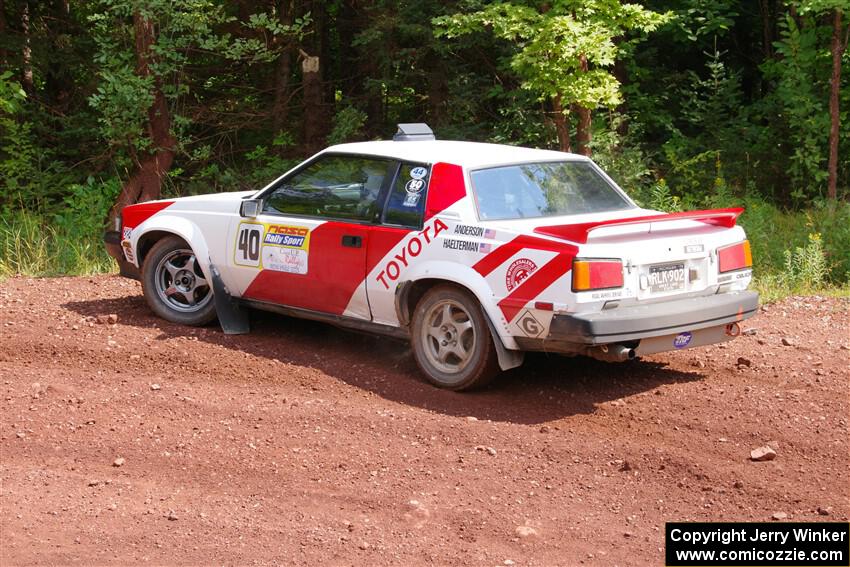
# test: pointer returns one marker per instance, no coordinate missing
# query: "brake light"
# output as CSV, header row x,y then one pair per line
x,y
597,274
735,257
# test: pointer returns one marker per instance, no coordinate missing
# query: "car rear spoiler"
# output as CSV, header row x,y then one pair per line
x,y
580,232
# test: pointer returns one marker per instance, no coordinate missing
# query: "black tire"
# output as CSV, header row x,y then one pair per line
x,y
451,340
174,285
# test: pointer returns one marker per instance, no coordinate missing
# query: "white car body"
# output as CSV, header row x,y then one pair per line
x,y
519,270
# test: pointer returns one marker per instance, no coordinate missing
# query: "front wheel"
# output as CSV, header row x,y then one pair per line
x,y
174,285
451,341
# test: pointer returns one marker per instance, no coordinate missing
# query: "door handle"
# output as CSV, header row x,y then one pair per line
x,y
352,241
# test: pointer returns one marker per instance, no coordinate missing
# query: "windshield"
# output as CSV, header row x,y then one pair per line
x,y
543,190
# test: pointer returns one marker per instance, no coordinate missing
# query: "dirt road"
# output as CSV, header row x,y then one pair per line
x,y
138,441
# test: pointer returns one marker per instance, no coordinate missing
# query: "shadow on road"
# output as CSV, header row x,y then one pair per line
x,y
545,388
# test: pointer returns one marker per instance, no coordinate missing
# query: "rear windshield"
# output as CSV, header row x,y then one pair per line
x,y
543,190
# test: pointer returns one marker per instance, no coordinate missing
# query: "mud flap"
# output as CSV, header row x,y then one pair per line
x,y
507,358
233,319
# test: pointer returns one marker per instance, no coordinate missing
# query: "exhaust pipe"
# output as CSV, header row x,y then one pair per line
x,y
612,353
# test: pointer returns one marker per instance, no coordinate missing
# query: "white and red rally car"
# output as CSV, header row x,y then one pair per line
x,y
475,252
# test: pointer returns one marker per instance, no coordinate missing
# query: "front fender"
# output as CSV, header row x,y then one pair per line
x,y
178,226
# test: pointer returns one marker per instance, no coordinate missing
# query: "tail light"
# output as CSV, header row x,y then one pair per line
x,y
735,257
591,274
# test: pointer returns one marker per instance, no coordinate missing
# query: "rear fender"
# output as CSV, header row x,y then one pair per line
x,y
465,276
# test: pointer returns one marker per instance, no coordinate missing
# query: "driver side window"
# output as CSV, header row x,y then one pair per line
x,y
336,187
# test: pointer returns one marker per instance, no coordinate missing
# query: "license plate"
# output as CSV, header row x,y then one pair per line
x,y
666,277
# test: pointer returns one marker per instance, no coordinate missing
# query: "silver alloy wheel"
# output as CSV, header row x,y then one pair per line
x,y
180,283
448,339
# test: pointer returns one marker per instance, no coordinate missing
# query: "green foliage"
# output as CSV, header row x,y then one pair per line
x,y
348,125
11,94
84,208
774,234
658,197
804,271
821,6
621,155
713,130
805,266
19,164
17,151
122,101
712,104
32,245
565,51
801,75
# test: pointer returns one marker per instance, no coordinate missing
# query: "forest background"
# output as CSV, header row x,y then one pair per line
x,y
686,103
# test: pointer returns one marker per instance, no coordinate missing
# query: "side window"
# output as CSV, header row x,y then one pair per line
x,y
406,202
338,187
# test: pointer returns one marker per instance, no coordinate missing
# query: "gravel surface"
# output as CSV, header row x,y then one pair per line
x,y
126,439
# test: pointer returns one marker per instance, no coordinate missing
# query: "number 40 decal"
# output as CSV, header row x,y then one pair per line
x,y
248,244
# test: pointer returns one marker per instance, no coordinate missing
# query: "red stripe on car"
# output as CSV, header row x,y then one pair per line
x,y
500,255
580,232
134,215
535,284
447,188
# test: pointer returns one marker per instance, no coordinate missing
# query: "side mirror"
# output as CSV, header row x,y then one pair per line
x,y
250,208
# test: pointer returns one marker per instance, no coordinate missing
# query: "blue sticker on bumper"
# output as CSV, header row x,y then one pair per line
x,y
682,340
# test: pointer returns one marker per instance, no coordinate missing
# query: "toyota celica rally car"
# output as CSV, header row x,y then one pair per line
x,y
474,252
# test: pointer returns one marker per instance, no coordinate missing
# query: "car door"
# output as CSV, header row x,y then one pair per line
x,y
402,217
307,248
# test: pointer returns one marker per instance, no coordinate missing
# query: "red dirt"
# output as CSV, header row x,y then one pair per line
x,y
304,444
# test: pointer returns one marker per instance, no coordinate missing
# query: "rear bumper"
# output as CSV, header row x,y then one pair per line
x,y
580,332
112,241
666,318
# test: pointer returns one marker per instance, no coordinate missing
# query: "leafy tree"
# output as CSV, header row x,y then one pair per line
x,y
149,52
834,10
564,51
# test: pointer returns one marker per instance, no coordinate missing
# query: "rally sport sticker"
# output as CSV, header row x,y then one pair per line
x,y
280,248
286,249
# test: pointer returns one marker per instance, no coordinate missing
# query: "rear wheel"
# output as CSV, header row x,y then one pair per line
x,y
451,341
174,285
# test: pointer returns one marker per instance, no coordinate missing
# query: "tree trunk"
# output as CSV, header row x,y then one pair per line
x,y
838,47
562,125
766,29
314,100
438,94
313,120
146,182
58,78
583,130
280,107
372,87
583,127
26,53
3,60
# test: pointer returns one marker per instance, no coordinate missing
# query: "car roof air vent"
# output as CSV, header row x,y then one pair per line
x,y
415,132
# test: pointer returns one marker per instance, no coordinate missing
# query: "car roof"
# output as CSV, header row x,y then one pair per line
x,y
465,154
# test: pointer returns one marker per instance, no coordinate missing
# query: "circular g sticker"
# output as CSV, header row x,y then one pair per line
x,y
414,186
418,172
